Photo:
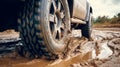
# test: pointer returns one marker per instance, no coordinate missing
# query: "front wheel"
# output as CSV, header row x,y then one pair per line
x,y
43,27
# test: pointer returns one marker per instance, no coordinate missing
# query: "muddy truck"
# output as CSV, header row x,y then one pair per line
x,y
44,25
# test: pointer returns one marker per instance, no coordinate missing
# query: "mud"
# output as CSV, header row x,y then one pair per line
x,y
107,49
9,36
103,51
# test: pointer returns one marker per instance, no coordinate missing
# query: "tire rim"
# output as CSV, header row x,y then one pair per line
x,y
57,18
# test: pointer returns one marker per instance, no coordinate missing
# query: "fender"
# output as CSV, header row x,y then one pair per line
x,y
89,10
79,9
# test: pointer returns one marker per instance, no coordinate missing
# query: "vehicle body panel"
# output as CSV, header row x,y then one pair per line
x,y
79,9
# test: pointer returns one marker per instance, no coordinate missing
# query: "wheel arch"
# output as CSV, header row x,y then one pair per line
x,y
89,10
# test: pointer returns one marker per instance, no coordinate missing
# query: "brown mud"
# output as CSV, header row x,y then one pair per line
x,y
87,54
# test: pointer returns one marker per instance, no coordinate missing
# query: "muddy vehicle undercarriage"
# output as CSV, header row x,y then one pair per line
x,y
44,25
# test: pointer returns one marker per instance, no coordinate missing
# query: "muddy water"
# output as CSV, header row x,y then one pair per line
x,y
13,61
100,39
57,63
103,51
16,61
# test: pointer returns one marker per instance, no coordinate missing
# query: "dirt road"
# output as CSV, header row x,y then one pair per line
x,y
103,51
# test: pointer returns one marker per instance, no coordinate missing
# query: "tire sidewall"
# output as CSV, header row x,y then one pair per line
x,y
51,44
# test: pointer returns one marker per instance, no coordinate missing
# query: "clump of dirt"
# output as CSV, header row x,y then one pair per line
x,y
8,34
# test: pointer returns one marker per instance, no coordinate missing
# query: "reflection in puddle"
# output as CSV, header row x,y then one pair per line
x,y
104,51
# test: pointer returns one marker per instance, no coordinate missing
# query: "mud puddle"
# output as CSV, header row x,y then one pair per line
x,y
102,51
56,63
106,52
14,60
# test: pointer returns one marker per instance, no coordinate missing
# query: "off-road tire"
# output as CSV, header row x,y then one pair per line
x,y
87,28
35,30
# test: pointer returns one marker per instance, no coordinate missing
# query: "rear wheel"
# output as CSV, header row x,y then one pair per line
x,y
87,28
43,27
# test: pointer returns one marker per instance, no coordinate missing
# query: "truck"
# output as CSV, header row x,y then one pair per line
x,y
44,25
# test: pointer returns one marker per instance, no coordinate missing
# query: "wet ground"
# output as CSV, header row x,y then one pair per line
x,y
107,50
103,51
